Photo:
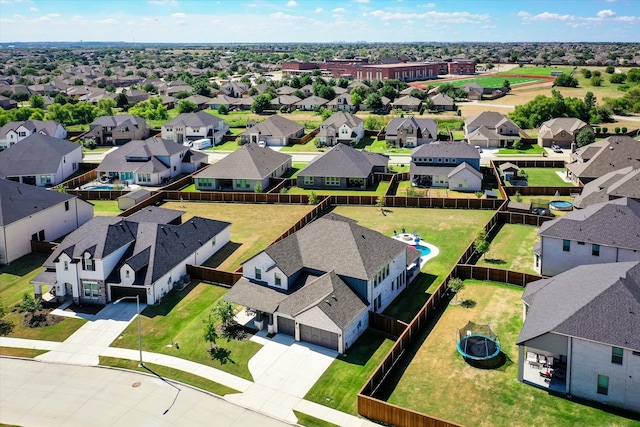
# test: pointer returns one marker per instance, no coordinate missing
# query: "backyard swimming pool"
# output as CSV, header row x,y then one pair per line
x,y
427,250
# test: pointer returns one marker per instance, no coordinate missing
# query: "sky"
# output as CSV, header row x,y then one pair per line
x,y
254,21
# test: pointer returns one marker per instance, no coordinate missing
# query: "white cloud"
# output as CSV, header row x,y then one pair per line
x,y
292,3
524,14
362,1
339,10
281,15
33,9
607,13
319,10
433,16
574,21
178,15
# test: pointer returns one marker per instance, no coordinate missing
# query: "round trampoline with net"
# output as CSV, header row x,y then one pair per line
x,y
478,344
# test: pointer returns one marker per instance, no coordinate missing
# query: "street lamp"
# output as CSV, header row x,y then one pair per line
x,y
137,297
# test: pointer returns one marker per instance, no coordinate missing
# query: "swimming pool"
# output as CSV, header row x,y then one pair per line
x,y
427,250
424,250
99,187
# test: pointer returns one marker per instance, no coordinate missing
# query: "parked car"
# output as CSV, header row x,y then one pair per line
x,y
542,211
479,149
556,148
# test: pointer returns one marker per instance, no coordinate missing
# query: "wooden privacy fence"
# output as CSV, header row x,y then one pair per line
x,y
390,325
80,180
400,416
541,191
532,163
522,218
98,194
517,278
210,274
237,197
44,248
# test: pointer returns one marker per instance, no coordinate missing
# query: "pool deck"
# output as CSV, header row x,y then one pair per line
x,y
434,251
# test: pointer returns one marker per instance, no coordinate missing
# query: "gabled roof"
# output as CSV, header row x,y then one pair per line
x,y
48,127
119,120
623,182
275,126
197,119
312,100
615,223
490,119
609,154
456,150
340,118
344,161
427,128
36,154
18,201
248,162
335,243
553,127
155,215
597,302
407,100
150,148
442,99
464,166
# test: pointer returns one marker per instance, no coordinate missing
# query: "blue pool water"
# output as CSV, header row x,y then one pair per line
x,y
424,251
99,187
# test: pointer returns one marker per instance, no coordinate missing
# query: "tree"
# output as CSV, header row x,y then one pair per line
x,y
586,73
618,78
6,326
261,103
610,69
455,285
257,188
30,304
121,100
373,102
185,106
590,100
223,311
634,75
372,123
149,88
356,100
482,247
506,85
105,107
565,80
313,198
210,334
223,109
36,101
585,137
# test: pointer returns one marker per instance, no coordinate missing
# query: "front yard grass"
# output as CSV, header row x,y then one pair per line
x,y
545,177
511,248
435,226
21,352
105,207
437,381
225,146
534,149
253,226
165,372
339,385
309,147
378,189
180,318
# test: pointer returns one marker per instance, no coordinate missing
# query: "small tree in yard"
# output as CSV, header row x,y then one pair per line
x,y
223,311
30,304
257,188
585,137
210,334
6,326
456,285
482,247
479,194
517,145
517,197
313,198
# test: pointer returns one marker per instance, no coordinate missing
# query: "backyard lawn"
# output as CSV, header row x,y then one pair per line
x,y
511,248
405,189
180,318
525,149
378,189
545,177
253,227
105,207
438,382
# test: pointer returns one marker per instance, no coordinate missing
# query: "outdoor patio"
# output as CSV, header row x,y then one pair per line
x,y
543,375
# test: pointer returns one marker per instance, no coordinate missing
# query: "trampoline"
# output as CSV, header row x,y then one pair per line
x,y
478,344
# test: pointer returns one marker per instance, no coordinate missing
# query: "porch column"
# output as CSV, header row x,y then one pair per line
x,y
569,356
521,359
37,290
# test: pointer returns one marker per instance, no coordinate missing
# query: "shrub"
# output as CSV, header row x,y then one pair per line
x,y
240,141
605,130
623,129
616,129
223,110
597,129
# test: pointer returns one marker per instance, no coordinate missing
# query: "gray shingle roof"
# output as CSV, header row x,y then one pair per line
x,y
277,127
623,182
116,160
340,118
36,154
609,154
344,161
119,120
490,119
598,302
249,162
18,201
45,127
198,119
456,150
427,128
615,223
156,215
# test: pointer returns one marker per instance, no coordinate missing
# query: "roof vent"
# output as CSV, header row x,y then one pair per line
x,y
327,301
334,297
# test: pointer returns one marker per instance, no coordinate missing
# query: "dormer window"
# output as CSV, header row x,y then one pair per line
x,y
127,274
88,264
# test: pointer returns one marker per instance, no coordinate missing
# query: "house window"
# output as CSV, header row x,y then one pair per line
x,y
616,355
205,182
66,205
45,179
332,180
213,241
278,279
88,264
595,250
127,274
603,384
581,243
91,290
243,183
308,180
66,266
144,177
258,273
566,245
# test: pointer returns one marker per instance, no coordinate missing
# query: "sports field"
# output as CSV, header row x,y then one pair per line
x,y
486,81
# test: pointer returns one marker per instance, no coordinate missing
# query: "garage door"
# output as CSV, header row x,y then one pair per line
x,y
287,326
118,292
319,337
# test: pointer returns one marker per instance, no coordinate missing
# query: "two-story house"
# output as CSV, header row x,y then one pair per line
x,y
319,283
599,233
452,165
599,158
491,129
112,257
561,131
40,160
153,161
581,334
118,129
342,102
194,126
14,132
620,183
411,131
342,128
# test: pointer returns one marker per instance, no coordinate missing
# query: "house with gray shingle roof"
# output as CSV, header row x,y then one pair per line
x,y
599,158
407,103
561,131
14,132
584,324
491,129
312,102
343,167
319,283
118,129
443,102
112,257
194,126
453,165
341,127
599,233
243,169
275,131
152,161
623,182
342,102
40,160
411,131
31,213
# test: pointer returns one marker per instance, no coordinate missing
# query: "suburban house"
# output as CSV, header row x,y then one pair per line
x,y
599,233
194,126
153,161
234,89
452,165
343,167
244,169
407,103
200,101
599,158
623,182
40,160
30,213
118,129
581,334
411,131
491,129
319,284
221,100
8,103
311,103
112,257
443,102
14,132
562,131
342,103
286,102
342,128
275,131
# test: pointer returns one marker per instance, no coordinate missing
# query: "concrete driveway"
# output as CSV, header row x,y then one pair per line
x,y
42,394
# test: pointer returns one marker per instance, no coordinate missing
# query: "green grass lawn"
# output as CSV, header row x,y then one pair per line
x,y
96,150
511,248
379,189
436,226
179,318
309,147
545,177
174,374
437,381
525,149
157,124
309,421
20,352
350,372
487,81
536,71
226,146
105,207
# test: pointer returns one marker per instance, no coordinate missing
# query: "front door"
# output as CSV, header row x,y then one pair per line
x,y
68,291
